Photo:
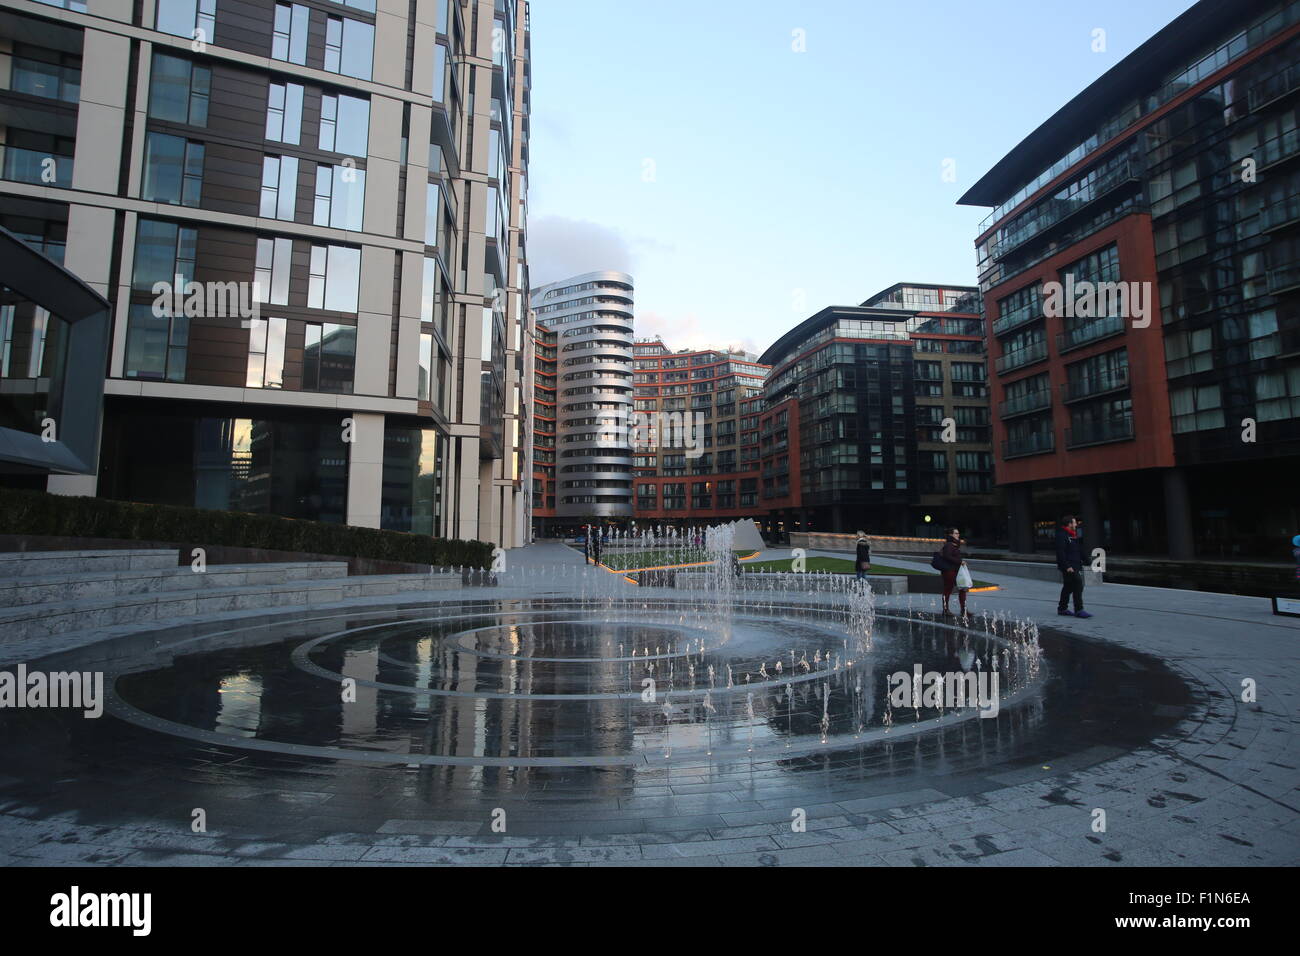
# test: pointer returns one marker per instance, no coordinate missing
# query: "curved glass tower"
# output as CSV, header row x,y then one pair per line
x,y
591,318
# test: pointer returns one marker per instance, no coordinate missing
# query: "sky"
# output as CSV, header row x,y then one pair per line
x,y
751,162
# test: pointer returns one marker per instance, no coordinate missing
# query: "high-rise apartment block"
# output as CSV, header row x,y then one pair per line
x,y
309,219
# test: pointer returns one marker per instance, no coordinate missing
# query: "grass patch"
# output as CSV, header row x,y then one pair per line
x,y
839,566
656,558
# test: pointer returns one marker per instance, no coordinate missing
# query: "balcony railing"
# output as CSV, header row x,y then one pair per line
x,y
1021,357
1284,277
1017,317
35,166
1100,432
1092,331
1279,148
1274,88
1024,404
1035,443
1280,213
1111,380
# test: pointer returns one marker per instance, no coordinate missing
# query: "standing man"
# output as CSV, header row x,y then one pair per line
x,y
1069,559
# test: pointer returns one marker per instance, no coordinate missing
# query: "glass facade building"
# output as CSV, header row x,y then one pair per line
x,y
1170,184
310,222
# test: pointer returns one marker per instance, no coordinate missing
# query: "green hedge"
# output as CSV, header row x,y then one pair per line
x,y
39,513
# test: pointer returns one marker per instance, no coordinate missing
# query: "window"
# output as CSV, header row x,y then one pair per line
x,y
47,73
329,357
432,214
344,124
284,112
334,278
155,344
1188,352
340,197
271,273
439,73
163,251
185,18
173,170
1196,409
1277,394
289,38
279,187
179,90
425,389
349,47
266,353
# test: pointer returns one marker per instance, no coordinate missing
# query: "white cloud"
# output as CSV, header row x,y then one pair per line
x,y
559,247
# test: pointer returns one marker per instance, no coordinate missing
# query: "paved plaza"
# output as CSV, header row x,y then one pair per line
x,y
505,725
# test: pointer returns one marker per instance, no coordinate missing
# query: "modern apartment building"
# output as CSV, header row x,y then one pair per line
x,y
711,474
875,417
309,219
582,456
1166,412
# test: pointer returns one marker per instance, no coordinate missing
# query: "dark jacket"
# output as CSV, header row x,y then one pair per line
x,y
864,552
1069,553
951,552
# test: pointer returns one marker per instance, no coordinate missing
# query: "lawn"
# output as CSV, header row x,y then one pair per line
x,y
656,558
838,566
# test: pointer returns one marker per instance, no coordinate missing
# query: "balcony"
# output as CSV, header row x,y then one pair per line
x,y
1281,213
1284,277
1100,432
1017,317
1024,404
1112,380
30,166
1280,84
1279,149
1092,331
1021,357
1035,443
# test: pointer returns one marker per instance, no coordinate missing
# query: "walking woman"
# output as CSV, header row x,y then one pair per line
x,y
863,555
951,552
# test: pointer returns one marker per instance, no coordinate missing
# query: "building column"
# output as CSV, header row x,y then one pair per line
x,y
1178,515
366,470
1020,518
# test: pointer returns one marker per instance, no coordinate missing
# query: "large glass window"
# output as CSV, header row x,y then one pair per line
x,y
173,170
334,278
349,47
432,214
284,112
289,36
340,197
186,18
266,339
344,124
412,499
279,187
179,90
329,357
163,251
271,272
52,74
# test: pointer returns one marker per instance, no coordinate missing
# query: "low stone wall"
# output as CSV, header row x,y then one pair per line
x,y
214,554
819,541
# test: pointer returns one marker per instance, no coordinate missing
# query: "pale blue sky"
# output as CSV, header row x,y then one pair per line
x,y
745,185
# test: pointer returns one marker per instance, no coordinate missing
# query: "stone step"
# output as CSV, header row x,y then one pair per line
x,y
99,583
40,620
21,564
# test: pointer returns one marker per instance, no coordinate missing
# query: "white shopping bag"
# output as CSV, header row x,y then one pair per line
x,y
963,578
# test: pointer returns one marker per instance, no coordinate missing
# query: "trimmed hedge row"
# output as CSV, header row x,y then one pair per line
x,y
40,513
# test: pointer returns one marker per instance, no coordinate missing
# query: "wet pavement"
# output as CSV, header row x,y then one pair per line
x,y
511,725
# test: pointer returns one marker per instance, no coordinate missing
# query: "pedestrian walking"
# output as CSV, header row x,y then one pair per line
x,y
863,557
1069,560
953,560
